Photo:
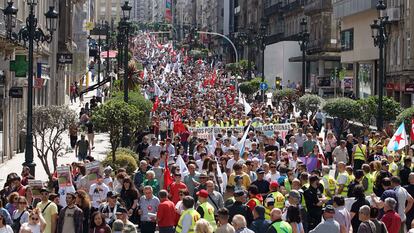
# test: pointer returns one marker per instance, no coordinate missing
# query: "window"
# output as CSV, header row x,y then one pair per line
x,y
347,40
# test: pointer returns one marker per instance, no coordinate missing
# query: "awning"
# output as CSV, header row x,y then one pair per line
x,y
112,54
316,57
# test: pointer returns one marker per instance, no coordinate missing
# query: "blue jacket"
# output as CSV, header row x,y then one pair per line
x,y
260,225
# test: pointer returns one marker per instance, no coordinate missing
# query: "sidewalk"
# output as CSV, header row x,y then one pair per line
x,y
102,146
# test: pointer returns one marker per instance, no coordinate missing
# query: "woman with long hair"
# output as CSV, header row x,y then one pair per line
x,y
98,224
20,215
129,194
294,219
36,223
330,144
84,203
212,171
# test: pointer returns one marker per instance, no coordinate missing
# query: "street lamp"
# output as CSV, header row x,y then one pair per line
x,y
261,38
246,38
126,13
30,34
303,43
380,29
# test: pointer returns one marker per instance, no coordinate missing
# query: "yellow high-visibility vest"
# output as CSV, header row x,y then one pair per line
x,y
208,210
195,216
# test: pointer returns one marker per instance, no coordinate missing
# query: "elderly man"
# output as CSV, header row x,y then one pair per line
x,y
240,225
391,219
148,210
329,225
278,225
366,226
129,227
214,198
342,215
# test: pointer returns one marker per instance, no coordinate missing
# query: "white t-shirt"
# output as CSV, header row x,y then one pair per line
x,y
8,229
231,162
62,193
33,228
24,218
402,196
98,194
342,178
272,177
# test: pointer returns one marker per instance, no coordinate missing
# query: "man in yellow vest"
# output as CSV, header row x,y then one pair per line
x,y
188,218
343,180
329,183
205,209
359,154
278,225
368,180
275,199
255,198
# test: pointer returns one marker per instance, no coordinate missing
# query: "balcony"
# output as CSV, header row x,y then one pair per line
x,y
292,6
345,8
316,6
273,9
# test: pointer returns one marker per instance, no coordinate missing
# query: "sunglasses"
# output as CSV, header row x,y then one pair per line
x,y
272,167
35,219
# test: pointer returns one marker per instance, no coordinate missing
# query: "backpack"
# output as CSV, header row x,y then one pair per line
x,y
16,223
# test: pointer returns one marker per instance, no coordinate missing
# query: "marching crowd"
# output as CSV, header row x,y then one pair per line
x,y
242,178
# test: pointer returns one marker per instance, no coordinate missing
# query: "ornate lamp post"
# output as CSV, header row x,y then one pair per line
x,y
30,34
261,38
380,32
303,43
124,26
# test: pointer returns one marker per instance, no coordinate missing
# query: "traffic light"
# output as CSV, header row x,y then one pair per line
x,y
278,83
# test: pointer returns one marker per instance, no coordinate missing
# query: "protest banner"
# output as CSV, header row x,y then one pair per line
x,y
93,169
35,186
268,130
64,176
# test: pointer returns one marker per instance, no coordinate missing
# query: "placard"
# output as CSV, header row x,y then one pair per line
x,y
93,169
35,186
64,176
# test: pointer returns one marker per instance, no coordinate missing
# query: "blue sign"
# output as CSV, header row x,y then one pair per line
x,y
264,86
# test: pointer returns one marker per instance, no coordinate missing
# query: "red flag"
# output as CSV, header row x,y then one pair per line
x,y
412,130
200,61
168,180
141,74
178,124
213,78
156,103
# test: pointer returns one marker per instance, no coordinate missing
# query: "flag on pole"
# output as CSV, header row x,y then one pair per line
x,y
168,180
220,176
412,130
156,103
169,96
183,168
399,140
212,144
247,107
213,78
241,145
146,95
240,98
157,90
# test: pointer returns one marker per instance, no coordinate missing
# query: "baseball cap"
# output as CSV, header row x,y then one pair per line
x,y
294,194
239,193
121,210
260,171
202,193
329,209
111,194
274,184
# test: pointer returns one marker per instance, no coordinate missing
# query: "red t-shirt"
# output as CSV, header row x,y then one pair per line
x,y
175,191
392,221
166,210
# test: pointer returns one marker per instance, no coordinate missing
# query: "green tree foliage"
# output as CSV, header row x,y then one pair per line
x,y
344,108
50,124
143,105
405,116
124,159
250,87
368,109
110,117
309,103
285,98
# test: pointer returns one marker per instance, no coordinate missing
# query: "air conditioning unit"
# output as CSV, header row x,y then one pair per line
x,y
394,14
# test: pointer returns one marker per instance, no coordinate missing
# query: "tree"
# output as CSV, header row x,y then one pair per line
x,y
285,98
344,108
49,124
309,103
405,116
144,106
110,117
250,87
368,108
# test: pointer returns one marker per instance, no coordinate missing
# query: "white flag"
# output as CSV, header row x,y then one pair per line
x,y
247,107
212,144
241,101
169,96
157,90
398,140
146,95
240,145
183,168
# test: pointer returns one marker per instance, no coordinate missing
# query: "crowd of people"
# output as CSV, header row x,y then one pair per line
x,y
240,178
